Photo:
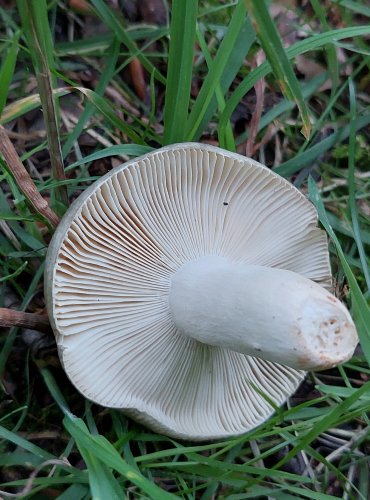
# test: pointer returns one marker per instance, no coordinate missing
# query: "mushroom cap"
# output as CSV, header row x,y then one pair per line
x,y
108,278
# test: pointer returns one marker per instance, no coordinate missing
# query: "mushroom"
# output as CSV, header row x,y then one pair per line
x,y
190,289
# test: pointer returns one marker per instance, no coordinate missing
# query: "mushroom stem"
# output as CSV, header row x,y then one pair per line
x,y
270,313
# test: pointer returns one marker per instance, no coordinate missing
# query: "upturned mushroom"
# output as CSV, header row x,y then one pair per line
x,y
189,287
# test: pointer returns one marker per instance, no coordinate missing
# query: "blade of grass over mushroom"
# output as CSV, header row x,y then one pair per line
x,y
351,185
180,69
219,66
115,22
120,149
311,43
34,16
277,57
360,307
7,70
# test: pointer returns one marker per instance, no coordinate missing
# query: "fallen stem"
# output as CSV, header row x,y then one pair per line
x,y
10,318
24,180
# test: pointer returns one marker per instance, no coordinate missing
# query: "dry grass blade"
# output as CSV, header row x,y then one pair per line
x,y
251,147
36,27
24,180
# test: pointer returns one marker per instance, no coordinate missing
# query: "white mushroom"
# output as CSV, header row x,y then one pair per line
x,y
186,285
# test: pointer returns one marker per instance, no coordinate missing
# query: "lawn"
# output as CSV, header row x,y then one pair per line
x,y
88,85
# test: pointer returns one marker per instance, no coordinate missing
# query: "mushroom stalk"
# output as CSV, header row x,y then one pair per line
x,y
270,313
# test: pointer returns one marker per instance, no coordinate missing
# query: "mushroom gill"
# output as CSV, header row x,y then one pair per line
x,y
114,272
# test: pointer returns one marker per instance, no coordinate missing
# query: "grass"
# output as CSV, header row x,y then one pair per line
x,y
200,73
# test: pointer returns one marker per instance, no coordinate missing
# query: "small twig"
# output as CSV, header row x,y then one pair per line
x,y
11,317
28,487
24,180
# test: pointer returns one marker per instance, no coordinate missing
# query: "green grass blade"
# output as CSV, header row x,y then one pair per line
x,y
180,69
22,106
102,448
114,22
102,482
107,110
308,89
99,454
331,53
299,161
242,44
7,70
216,70
276,55
74,492
55,392
351,184
312,43
100,88
218,91
361,309
325,423
25,445
356,7
121,149
344,228
18,271
10,338
35,23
